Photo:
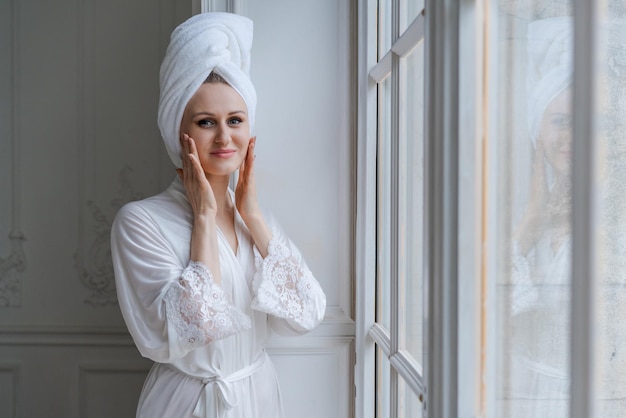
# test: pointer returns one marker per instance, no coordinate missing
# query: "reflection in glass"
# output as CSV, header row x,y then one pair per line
x,y
534,205
611,118
534,210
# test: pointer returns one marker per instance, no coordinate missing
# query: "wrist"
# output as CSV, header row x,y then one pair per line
x,y
251,217
204,220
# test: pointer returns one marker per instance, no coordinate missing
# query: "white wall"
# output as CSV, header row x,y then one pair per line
x,y
301,64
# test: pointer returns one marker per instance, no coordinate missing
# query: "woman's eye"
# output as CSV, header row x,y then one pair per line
x,y
234,121
205,122
562,121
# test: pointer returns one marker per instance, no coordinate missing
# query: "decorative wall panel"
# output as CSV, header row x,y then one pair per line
x,y
109,390
12,257
117,128
312,382
10,385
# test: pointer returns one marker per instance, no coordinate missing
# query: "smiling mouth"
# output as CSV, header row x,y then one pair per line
x,y
223,153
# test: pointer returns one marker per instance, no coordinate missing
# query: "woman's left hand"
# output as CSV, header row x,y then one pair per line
x,y
245,191
247,204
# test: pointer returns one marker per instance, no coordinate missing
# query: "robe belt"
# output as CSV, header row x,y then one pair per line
x,y
219,394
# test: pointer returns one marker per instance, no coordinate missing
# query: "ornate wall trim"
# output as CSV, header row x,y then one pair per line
x,y
93,256
94,265
14,371
65,336
15,262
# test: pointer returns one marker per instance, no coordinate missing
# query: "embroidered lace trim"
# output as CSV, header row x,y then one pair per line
x,y
284,286
199,309
524,291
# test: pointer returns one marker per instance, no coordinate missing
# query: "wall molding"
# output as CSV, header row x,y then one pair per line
x,y
15,262
335,329
64,336
15,369
95,267
92,257
229,6
339,350
10,283
95,370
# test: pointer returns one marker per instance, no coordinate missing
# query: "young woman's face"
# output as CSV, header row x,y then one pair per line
x,y
216,118
556,132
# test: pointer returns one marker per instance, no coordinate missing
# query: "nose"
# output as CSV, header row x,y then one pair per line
x,y
222,134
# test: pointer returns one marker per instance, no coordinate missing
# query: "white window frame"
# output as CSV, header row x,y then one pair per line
x,y
585,201
454,102
454,181
368,333
456,135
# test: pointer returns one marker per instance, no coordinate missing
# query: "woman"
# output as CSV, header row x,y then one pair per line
x,y
539,365
201,271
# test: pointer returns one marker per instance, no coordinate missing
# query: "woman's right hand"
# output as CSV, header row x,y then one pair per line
x,y
203,245
533,222
198,189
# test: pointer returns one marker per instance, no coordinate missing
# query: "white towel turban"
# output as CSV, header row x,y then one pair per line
x,y
206,42
550,65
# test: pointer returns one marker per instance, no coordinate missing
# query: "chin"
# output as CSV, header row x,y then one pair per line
x,y
220,172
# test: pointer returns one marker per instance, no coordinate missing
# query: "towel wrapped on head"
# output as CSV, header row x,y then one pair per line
x,y
205,43
550,66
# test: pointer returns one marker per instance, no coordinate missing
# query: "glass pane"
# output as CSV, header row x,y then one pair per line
x,y
409,9
384,27
411,204
410,405
611,356
532,146
383,211
383,386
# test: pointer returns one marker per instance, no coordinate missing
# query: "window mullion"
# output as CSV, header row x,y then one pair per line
x,y
365,269
409,369
382,69
441,208
381,337
411,37
584,204
395,205
394,225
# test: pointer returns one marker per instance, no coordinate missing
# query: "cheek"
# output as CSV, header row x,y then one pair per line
x,y
187,128
242,141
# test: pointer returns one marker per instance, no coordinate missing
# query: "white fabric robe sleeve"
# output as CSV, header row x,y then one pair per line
x,y
169,310
524,292
284,287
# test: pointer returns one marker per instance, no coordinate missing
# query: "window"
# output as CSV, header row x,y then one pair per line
x,y
559,213
506,217
393,231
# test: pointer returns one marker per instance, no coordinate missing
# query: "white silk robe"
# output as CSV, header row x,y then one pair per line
x,y
207,341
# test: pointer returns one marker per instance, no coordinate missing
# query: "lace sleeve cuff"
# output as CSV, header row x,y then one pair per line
x,y
284,286
524,293
200,311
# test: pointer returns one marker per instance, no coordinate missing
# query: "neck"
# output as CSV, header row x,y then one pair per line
x,y
219,185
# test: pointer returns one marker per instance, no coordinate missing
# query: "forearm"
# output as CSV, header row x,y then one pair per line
x,y
261,234
204,245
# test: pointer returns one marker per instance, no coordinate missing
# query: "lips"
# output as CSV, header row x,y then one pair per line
x,y
223,153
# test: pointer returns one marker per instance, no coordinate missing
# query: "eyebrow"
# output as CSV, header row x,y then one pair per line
x,y
212,114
